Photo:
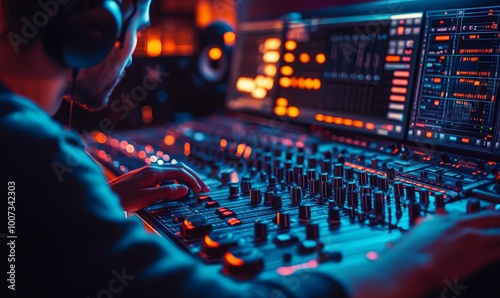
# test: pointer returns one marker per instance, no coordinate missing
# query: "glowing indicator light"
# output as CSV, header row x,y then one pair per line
x,y
215,54
329,119
320,58
290,45
223,143
245,84
271,57
304,58
188,225
282,102
280,111
100,138
272,44
210,243
247,153
285,82
319,117
287,70
358,124
130,148
123,144
370,126
240,149
149,148
231,259
141,154
169,140
288,270
372,255
259,93
229,38
317,84
289,57
347,122
153,158
187,149
293,112
153,47
114,143
102,154
309,83
270,70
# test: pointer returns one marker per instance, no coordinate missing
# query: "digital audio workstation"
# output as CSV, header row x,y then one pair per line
x,y
340,132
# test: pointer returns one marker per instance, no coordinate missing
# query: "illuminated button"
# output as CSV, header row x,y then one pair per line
x,y
204,198
220,210
226,214
215,245
242,262
234,221
212,204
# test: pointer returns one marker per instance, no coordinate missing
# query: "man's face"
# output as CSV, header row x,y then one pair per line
x,y
95,84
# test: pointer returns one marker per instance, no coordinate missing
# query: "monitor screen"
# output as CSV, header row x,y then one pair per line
x,y
351,73
456,102
254,69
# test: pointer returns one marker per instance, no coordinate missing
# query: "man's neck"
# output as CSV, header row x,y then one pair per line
x,y
33,75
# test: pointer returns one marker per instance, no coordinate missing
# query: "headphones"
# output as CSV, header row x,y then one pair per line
x,y
82,33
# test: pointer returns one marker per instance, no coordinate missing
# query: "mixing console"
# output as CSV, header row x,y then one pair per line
x,y
342,133
281,199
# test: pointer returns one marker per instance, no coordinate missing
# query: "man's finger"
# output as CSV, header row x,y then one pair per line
x,y
179,174
486,219
204,186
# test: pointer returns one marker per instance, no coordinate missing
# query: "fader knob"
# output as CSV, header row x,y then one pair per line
x,y
326,189
334,216
195,225
276,201
363,178
349,173
260,229
255,196
366,202
338,170
216,244
414,212
245,185
304,212
268,197
233,191
283,220
383,183
424,196
295,195
312,231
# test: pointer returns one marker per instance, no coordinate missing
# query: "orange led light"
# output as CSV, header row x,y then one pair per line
x,y
329,119
169,140
231,259
319,117
270,70
393,58
210,243
287,70
153,47
280,111
317,84
245,84
141,154
293,112
283,102
289,57
290,45
285,82
229,38
100,138
187,149
240,149
358,124
259,93
188,225
428,134
370,126
248,152
304,58
271,57
215,54
272,44
442,38
223,143
320,58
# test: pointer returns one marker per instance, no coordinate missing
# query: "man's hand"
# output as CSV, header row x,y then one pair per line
x,y
142,187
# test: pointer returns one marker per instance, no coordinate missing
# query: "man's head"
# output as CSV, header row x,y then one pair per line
x,y
26,23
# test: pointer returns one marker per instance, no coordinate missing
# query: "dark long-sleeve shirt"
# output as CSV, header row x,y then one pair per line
x,y
73,239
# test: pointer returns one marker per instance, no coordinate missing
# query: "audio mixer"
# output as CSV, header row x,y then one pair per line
x,y
339,137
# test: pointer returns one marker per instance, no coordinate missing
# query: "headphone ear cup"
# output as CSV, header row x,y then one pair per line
x,y
86,37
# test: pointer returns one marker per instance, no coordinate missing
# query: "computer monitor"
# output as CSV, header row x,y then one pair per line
x,y
456,102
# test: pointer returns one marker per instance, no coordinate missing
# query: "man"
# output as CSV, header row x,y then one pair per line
x,y
74,241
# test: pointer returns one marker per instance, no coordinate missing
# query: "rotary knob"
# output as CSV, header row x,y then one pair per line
x,y
283,220
276,201
338,170
242,262
366,202
304,212
326,189
216,244
233,191
352,199
337,182
245,185
311,174
268,197
340,194
424,196
295,195
303,182
473,205
414,213
255,196
334,216
312,231
261,229
362,178
349,173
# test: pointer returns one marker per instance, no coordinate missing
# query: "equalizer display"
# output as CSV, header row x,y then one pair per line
x,y
350,73
457,97
255,67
